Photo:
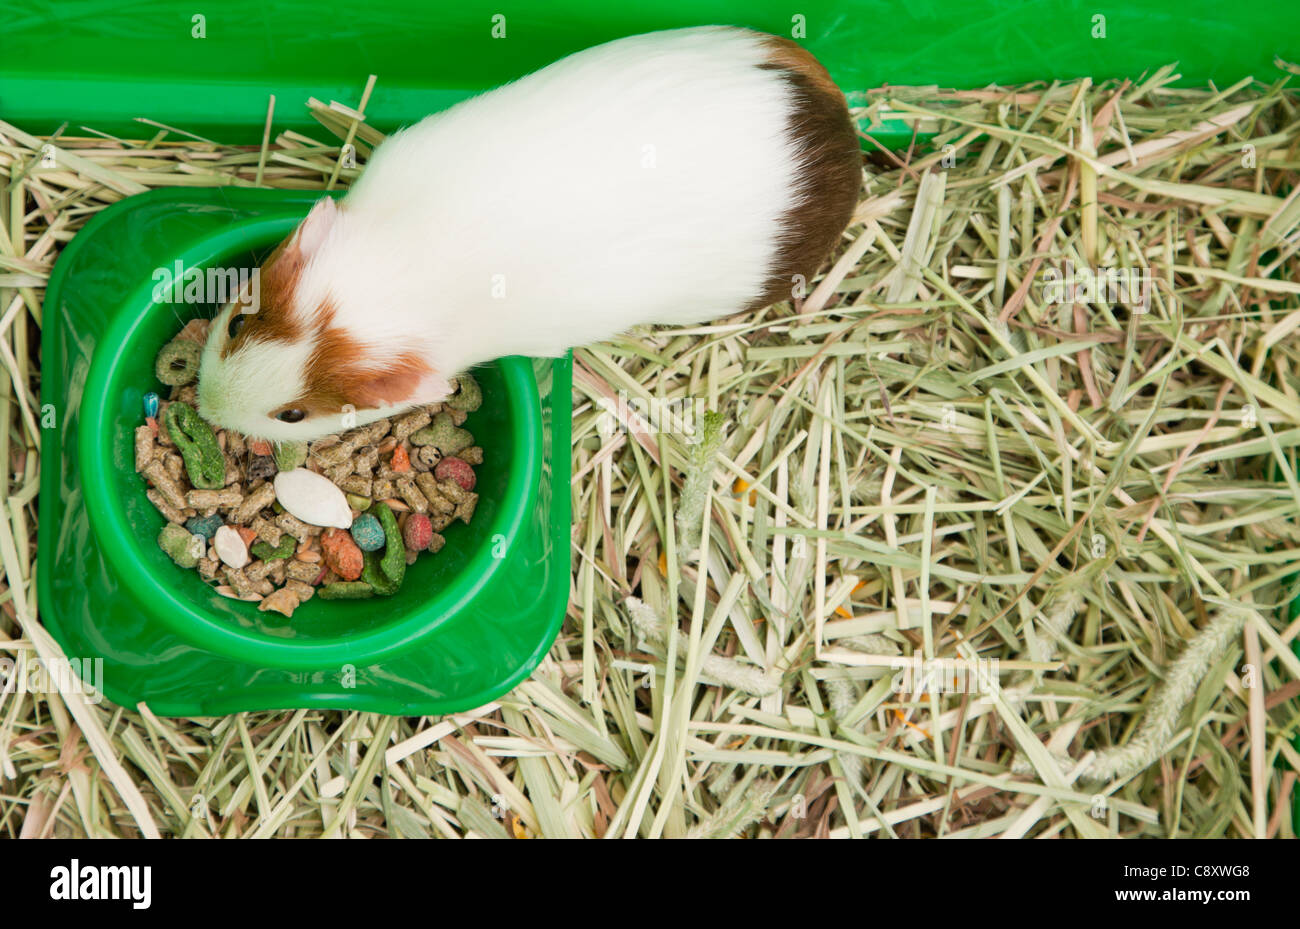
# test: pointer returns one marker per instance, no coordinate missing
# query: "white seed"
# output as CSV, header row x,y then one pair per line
x,y
313,498
230,547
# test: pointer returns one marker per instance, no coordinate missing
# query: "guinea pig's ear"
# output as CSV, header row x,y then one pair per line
x,y
407,382
315,229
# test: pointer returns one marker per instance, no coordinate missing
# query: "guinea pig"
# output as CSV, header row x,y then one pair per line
x,y
670,178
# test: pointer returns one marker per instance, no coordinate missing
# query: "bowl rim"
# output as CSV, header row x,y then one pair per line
x,y
190,620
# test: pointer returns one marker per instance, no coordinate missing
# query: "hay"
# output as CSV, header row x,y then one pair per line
x,y
925,456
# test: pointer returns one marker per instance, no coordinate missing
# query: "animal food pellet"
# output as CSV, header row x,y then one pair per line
x,y
368,533
468,397
261,468
385,573
283,601
357,485
257,570
346,590
179,543
455,469
301,570
204,461
178,362
143,447
205,526
290,455
288,545
171,513
366,459
465,509
208,499
170,489
303,590
444,434
276,523
418,532
411,494
295,527
253,503
266,530
341,554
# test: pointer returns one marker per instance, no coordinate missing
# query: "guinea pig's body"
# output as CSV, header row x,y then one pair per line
x,y
664,178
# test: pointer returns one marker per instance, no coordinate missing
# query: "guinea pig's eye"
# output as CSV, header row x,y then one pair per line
x,y
236,323
291,416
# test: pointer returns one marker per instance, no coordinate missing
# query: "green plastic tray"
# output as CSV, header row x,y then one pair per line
x,y
467,624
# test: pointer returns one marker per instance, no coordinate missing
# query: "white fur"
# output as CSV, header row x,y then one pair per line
x,y
640,181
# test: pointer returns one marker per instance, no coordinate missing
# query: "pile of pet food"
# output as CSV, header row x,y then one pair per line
x,y
343,516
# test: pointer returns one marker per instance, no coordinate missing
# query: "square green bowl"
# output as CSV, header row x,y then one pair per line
x,y
468,623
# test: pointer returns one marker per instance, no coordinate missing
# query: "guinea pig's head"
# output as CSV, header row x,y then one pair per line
x,y
300,355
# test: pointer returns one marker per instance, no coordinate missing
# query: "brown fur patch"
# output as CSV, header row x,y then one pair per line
x,y
832,172
274,320
337,376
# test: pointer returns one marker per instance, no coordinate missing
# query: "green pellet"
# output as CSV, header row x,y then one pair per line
x,y
204,462
290,455
394,560
178,362
288,545
470,396
346,590
444,435
184,547
385,572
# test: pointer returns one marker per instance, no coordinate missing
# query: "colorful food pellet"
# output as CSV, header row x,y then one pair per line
x,y
418,532
454,469
180,545
342,556
290,455
267,552
367,532
346,590
204,462
276,523
205,526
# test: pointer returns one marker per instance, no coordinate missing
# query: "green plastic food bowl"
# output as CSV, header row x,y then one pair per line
x,y
468,623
